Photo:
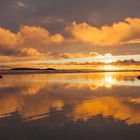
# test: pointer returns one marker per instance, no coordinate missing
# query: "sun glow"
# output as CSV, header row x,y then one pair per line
x,y
108,61
110,67
107,58
108,55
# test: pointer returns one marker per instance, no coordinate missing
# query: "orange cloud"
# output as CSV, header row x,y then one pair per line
x,y
6,58
28,41
79,55
8,40
118,33
30,52
35,41
72,55
37,37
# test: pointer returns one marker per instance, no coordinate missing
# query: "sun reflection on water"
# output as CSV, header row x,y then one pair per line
x,y
87,95
109,80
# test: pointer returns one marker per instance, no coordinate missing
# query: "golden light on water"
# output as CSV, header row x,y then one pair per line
x,y
109,80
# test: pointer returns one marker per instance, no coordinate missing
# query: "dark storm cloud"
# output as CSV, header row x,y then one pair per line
x,y
94,12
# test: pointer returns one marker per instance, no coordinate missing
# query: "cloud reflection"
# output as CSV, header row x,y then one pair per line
x,y
87,95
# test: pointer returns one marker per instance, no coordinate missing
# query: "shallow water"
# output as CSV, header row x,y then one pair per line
x,y
70,106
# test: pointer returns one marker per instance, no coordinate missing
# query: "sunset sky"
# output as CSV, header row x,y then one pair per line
x,y
69,30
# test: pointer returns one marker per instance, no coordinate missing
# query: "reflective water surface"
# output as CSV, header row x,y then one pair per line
x,y
70,106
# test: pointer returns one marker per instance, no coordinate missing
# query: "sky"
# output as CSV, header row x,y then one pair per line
x,y
68,29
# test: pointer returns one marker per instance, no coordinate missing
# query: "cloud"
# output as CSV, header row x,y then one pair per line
x,y
28,41
51,20
37,37
20,4
7,41
5,58
79,55
30,52
93,12
117,34
71,55
38,42
134,41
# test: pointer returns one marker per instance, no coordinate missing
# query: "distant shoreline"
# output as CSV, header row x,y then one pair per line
x,y
59,71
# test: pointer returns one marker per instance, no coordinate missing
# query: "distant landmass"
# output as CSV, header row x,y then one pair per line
x,y
54,71
32,69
